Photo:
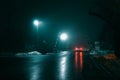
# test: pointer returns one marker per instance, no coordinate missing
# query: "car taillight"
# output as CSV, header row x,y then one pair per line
x,y
81,49
76,49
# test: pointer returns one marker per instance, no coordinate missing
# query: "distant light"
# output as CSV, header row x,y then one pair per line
x,y
63,36
81,49
76,49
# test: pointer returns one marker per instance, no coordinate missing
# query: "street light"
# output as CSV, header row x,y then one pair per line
x,y
63,36
37,24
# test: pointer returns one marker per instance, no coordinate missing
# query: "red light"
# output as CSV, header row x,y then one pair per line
x,y
76,61
81,49
81,60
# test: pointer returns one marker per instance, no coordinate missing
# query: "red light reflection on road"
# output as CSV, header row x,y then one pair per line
x,y
78,61
81,60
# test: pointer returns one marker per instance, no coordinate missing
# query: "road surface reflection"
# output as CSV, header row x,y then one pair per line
x,y
34,68
78,61
34,73
60,66
63,68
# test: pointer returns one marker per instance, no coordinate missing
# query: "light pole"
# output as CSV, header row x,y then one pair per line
x,y
37,24
62,37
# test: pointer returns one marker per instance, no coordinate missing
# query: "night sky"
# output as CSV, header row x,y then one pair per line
x,y
18,32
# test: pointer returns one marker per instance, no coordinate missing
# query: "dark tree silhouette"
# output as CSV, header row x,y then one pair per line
x,y
109,11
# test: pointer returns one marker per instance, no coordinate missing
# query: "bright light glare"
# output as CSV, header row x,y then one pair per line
x,y
63,36
36,22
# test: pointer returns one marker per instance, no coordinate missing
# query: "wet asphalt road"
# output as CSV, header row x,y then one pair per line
x,y
59,66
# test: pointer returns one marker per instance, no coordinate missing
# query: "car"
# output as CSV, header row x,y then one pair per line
x,y
78,49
